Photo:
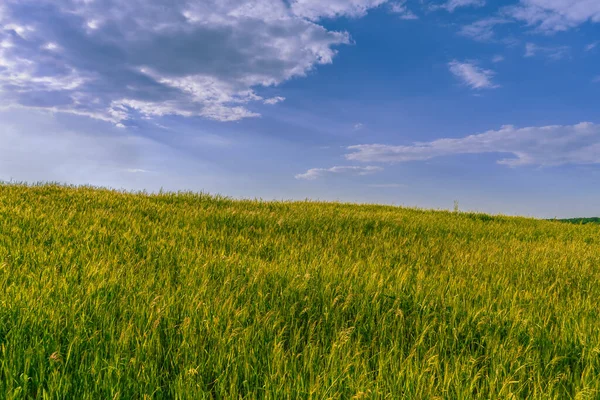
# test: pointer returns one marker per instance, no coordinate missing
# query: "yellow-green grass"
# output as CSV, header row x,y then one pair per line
x,y
110,295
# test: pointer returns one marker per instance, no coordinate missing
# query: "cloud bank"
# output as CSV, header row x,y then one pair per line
x,y
117,60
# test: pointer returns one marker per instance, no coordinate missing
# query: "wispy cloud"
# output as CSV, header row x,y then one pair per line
x,y
497,58
402,10
551,52
452,5
316,173
541,16
555,15
545,146
483,29
592,46
472,75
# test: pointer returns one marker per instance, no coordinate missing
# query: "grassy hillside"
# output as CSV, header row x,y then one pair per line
x,y
108,295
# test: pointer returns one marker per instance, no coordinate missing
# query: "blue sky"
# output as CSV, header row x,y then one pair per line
x,y
416,102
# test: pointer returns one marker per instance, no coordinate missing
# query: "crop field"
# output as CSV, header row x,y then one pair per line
x,y
112,295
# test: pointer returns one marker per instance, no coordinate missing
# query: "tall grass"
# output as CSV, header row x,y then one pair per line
x,y
109,295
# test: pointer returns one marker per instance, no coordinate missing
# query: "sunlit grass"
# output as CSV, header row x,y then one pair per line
x,y
109,295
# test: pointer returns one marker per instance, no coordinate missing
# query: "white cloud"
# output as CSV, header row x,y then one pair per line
x,y
452,5
483,30
555,15
23,31
51,47
21,75
317,9
358,126
316,173
222,112
530,49
472,75
592,46
497,58
545,16
552,52
402,10
93,24
546,146
274,100
121,109
116,58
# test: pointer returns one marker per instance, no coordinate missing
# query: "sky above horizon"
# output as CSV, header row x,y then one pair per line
x,y
494,104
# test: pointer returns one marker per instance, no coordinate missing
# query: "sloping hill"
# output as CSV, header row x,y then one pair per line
x,y
122,296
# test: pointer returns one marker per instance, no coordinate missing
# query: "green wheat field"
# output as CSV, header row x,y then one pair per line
x,y
113,295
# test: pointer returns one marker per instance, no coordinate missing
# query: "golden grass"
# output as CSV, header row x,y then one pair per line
x,y
110,295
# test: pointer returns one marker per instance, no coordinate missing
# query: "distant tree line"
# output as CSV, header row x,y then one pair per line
x,y
583,221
